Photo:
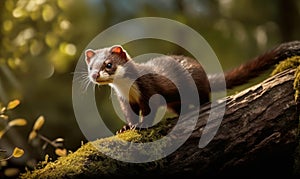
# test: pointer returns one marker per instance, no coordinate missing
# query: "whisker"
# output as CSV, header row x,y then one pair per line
x,y
81,77
85,84
79,72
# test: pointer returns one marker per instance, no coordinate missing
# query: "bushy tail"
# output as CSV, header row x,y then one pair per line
x,y
258,65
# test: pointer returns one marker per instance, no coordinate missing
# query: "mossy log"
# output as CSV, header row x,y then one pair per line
x,y
257,136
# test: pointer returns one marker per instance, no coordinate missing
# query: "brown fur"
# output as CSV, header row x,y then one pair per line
x,y
164,74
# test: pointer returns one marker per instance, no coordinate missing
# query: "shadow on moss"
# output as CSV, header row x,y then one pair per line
x,y
89,161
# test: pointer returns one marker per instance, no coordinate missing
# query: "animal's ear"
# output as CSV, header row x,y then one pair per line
x,y
119,51
88,55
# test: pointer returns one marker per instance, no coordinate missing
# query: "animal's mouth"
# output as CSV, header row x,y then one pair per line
x,y
102,81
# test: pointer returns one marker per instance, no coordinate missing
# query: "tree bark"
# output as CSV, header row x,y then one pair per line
x,y
257,136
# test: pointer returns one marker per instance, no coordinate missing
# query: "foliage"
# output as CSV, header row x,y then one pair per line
x,y
15,122
42,40
36,28
56,143
34,134
89,157
8,124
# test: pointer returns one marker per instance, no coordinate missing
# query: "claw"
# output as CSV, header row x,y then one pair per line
x,y
133,127
129,126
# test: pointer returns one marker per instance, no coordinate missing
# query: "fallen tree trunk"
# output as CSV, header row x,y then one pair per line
x,y
257,136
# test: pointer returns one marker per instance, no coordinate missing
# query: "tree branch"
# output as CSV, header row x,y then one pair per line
x,y
257,136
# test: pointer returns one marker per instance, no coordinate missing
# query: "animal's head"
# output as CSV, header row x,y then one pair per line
x,y
105,64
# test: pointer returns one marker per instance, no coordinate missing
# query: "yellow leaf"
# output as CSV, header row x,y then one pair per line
x,y
2,132
39,123
17,122
18,152
59,140
13,104
61,152
3,163
3,110
32,135
11,172
5,117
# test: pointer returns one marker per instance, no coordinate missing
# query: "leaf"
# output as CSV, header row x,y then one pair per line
x,y
17,122
45,145
2,132
11,172
18,152
61,152
39,123
59,140
3,163
32,135
13,104
3,110
5,117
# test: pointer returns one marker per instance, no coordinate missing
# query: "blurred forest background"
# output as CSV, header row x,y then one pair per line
x,y
42,40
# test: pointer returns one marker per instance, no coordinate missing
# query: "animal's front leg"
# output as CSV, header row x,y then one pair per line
x,y
131,113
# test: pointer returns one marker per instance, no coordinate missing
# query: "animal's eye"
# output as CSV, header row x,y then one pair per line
x,y
109,65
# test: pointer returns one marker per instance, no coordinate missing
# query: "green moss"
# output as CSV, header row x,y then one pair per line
x,y
297,95
89,160
71,165
292,62
297,83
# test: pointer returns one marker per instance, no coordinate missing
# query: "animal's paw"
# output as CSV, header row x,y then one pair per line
x,y
126,127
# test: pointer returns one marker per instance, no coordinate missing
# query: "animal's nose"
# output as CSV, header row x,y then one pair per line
x,y
95,75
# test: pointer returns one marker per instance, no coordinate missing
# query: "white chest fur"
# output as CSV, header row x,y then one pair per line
x,y
126,89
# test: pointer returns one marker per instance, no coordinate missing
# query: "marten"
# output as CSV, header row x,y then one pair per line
x,y
135,83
